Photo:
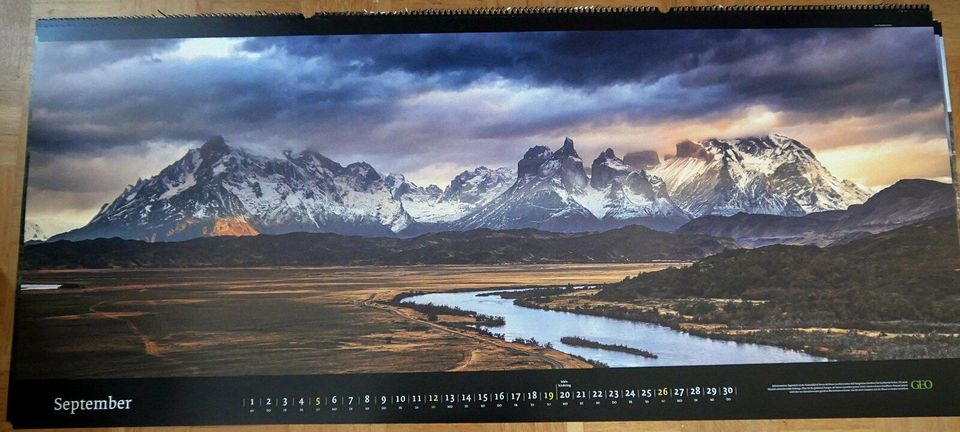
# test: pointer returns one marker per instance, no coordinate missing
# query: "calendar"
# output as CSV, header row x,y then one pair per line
x,y
503,215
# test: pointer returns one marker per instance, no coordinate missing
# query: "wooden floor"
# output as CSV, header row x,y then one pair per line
x,y
16,42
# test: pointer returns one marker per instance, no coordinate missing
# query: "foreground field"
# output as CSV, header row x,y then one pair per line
x,y
206,322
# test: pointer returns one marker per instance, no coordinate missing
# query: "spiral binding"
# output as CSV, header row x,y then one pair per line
x,y
161,15
804,8
527,11
505,11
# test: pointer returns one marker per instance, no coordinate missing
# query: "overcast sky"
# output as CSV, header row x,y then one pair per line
x,y
867,101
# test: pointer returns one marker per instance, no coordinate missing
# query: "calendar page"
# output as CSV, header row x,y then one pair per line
x,y
504,215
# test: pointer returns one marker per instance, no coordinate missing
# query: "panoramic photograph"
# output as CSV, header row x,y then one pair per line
x,y
486,201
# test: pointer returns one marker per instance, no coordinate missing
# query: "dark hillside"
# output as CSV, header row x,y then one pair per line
x,y
480,246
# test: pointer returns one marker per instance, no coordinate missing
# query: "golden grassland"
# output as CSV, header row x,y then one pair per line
x,y
271,321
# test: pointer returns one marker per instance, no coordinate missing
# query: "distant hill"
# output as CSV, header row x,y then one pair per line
x,y
911,273
903,203
481,246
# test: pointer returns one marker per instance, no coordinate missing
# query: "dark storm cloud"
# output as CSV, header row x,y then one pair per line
x,y
832,72
580,59
816,72
333,91
121,105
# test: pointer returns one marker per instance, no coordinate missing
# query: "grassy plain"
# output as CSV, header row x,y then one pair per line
x,y
272,321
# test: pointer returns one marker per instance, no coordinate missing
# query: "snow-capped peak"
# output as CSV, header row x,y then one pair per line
x,y
33,233
772,174
606,167
552,192
467,191
216,186
216,146
567,149
532,159
478,185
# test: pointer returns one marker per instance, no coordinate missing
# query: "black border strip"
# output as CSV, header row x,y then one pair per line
x,y
481,20
928,388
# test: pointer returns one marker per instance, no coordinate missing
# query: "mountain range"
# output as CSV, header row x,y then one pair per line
x,y
552,192
218,190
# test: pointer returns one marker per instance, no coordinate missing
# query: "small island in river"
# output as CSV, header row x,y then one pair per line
x,y
579,341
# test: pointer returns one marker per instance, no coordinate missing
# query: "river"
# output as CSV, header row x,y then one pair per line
x,y
673,348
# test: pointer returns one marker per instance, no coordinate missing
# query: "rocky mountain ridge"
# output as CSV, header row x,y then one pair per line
x,y
218,189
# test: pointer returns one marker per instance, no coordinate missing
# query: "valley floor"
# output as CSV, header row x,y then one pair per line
x,y
270,321
278,321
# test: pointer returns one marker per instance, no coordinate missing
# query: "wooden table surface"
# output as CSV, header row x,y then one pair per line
x,y
16,47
